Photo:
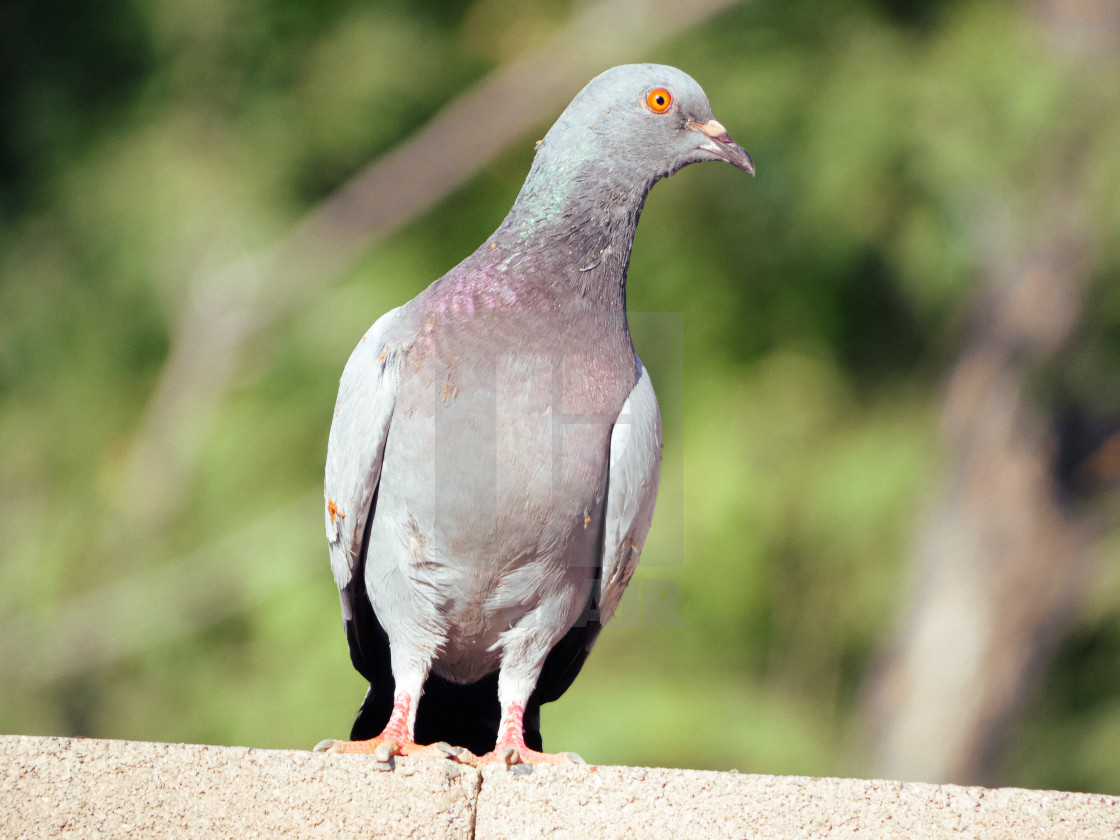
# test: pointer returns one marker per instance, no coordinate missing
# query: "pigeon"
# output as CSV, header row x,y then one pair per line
x,y
495,448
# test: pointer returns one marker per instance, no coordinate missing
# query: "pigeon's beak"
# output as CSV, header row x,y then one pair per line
x,y
720,144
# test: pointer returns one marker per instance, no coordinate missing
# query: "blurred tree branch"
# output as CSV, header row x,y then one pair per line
x,y
1003,562
1006,557
228,308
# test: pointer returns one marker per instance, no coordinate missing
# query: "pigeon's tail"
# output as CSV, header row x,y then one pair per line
x,y
462,715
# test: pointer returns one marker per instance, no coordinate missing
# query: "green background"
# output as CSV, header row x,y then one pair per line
x,y
799,328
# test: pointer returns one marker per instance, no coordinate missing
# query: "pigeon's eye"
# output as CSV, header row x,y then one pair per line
x,y
658,100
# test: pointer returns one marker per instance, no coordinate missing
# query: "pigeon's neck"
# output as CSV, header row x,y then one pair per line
x,y
579,220
553,275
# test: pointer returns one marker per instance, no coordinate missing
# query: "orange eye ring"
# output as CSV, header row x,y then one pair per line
x,y
658,100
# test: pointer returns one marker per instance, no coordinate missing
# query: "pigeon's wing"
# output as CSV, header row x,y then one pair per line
x,y
635,467
631,491
367,395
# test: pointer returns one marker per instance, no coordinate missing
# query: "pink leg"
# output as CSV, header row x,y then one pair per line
x,y
397,727
396,738
510,748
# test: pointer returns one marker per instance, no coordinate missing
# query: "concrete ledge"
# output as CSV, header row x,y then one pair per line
x,y
66,787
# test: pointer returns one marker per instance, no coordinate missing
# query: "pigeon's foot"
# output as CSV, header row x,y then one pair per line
x,y
396,740
512,755
384,748
511,750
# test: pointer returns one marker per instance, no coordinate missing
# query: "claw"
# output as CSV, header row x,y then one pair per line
x,y
522,760
384,751
448,750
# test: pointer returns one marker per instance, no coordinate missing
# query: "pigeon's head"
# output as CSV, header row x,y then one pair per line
x,y
642,122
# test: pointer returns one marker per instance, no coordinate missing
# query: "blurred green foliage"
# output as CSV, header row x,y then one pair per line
x,y
143,142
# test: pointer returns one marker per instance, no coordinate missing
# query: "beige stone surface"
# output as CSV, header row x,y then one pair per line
x,y
74,787
638,802
66,787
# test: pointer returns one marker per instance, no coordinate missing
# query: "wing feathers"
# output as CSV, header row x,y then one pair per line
x,y
366,398
635,468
